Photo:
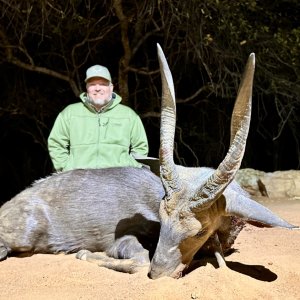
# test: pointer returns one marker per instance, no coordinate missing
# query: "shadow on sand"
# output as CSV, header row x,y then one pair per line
x,y
257,272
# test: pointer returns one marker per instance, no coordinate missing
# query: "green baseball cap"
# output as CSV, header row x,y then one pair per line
x,y
97,71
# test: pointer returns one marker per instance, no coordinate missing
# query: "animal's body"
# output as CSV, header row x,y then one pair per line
x,y
91,209
114,210
82,209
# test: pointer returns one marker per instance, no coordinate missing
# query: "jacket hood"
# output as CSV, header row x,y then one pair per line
x,y
115,100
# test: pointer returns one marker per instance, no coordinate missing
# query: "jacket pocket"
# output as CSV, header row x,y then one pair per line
x,y
118,131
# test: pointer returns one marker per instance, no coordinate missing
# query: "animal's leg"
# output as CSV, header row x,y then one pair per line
x,y
127,255
128,246
121,265
3,251
217,249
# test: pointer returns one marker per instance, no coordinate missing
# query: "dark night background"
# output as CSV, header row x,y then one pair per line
x,y
47,46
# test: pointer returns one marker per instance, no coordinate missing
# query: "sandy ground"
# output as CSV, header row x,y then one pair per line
x,y
266,265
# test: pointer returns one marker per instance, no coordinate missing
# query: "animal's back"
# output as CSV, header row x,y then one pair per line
x,y
80,209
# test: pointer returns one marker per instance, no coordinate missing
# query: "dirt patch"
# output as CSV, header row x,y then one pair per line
x,y
266,265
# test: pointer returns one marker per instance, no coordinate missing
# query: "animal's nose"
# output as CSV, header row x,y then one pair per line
x,y
152,274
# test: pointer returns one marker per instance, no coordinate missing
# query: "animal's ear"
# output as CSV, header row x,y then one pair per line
x,y
254,213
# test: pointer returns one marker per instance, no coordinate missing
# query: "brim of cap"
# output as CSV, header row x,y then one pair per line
x,y
88,78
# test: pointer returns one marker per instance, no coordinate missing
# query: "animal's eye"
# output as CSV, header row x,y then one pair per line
x,y
200,233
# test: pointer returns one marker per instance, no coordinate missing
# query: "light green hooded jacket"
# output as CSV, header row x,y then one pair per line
x,y
84,138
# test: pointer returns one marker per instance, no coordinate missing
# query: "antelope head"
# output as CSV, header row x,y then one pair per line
x,y
200,202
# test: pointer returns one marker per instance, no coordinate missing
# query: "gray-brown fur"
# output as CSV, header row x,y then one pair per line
x,y
82,209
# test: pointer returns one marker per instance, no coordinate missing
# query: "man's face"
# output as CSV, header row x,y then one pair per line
x,y
99,91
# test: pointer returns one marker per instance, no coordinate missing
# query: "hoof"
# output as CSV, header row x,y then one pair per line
x,y
82,254
3,253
